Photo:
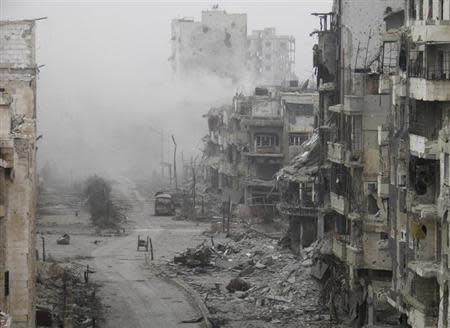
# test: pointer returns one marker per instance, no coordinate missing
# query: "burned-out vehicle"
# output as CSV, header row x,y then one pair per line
x,y
164,204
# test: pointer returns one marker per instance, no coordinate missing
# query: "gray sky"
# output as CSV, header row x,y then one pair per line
x,y
107,80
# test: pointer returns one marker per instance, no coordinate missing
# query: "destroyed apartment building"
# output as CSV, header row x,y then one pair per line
x,y
254,138
371,168
18,72
376,171
218,45
415,179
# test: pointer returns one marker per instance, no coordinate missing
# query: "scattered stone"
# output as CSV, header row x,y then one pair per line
x,y
238,284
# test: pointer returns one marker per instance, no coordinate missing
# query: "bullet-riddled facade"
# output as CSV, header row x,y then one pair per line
x,y
218,46
416,73
17,171
251,140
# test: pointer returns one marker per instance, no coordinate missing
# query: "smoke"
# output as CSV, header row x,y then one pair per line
x,y
106,90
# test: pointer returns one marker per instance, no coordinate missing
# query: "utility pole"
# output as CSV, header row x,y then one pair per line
x,y
43,248
162,153
175,162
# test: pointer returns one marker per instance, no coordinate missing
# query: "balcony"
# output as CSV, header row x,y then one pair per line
x,y
429,82
340,247
431,31
423,147
424,211
355,256
353,105
336,152
339,203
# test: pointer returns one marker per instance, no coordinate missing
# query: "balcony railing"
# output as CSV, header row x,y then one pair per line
x,y
434,72
297,210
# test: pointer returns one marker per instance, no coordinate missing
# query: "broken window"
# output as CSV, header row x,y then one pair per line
x,y
430,9
421,9
6,283
372,206
412,9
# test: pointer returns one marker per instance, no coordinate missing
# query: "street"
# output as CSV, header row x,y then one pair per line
x,y
133,295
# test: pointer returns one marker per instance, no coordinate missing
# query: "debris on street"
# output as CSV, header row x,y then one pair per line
x,y
248,280
63,293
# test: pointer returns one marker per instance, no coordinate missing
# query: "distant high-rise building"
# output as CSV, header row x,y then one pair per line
x,y
218,45
271,57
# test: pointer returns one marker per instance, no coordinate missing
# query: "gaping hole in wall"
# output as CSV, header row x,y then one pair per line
x,y
424,178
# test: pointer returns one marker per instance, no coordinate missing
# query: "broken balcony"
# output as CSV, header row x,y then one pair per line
x,y
339,203
423,141
336,152
425,269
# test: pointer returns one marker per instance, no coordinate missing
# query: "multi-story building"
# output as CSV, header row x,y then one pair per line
x,y
218,45
333,184
416,73
251,140
214,46
271,57
18,72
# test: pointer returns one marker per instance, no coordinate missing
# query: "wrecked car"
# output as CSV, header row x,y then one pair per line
x,y
164,204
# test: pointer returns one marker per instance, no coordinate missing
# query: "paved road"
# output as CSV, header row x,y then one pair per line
x,y
133,295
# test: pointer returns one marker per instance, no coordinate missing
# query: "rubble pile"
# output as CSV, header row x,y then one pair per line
x,y
250,280
66,296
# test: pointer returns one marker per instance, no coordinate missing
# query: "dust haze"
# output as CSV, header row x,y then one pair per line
x,y
106,88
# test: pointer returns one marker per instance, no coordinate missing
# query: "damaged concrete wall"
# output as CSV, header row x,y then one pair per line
x,y
17,80
216,45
